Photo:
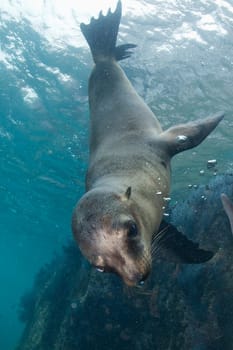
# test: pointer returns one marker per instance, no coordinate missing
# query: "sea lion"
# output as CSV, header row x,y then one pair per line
x,y
228,207
119,218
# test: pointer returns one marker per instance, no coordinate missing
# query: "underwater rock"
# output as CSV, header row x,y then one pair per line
x,y
180,307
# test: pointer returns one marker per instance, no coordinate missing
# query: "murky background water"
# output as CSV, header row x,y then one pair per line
x,y
183,67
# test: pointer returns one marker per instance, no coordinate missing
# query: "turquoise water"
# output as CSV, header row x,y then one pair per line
x,y
183,67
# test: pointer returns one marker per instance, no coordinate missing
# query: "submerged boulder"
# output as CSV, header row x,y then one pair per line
x,y
181,307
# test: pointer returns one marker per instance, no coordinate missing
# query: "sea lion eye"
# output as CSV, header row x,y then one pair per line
x,y
132,229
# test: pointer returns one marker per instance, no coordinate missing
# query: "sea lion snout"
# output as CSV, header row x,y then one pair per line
x,y
136,279
131,271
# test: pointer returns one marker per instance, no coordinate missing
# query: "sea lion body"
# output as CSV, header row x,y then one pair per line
x,y
128,178
121,157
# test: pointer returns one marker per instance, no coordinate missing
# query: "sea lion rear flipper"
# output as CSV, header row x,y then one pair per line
x,y
101,35
174,246
185,136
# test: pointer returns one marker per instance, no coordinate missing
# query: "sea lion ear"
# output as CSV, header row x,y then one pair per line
x,y
126,196
128,193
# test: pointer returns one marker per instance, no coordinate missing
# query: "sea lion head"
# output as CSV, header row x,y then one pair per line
x,y
110,235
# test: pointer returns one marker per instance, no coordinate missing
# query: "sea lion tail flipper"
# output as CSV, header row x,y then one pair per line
x,y
174,246
185,136
101,35
228,207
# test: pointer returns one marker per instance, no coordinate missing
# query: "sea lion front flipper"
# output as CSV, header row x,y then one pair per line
x,y
185,136
174,246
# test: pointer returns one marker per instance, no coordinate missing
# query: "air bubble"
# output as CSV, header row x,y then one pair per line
x,y
211,163
181,138
74,305
100,269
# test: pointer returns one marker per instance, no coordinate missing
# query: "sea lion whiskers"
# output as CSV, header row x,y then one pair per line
x,y
145,265
157,241
146,260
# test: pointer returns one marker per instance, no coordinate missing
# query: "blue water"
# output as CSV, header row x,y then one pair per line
x,y
183,67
